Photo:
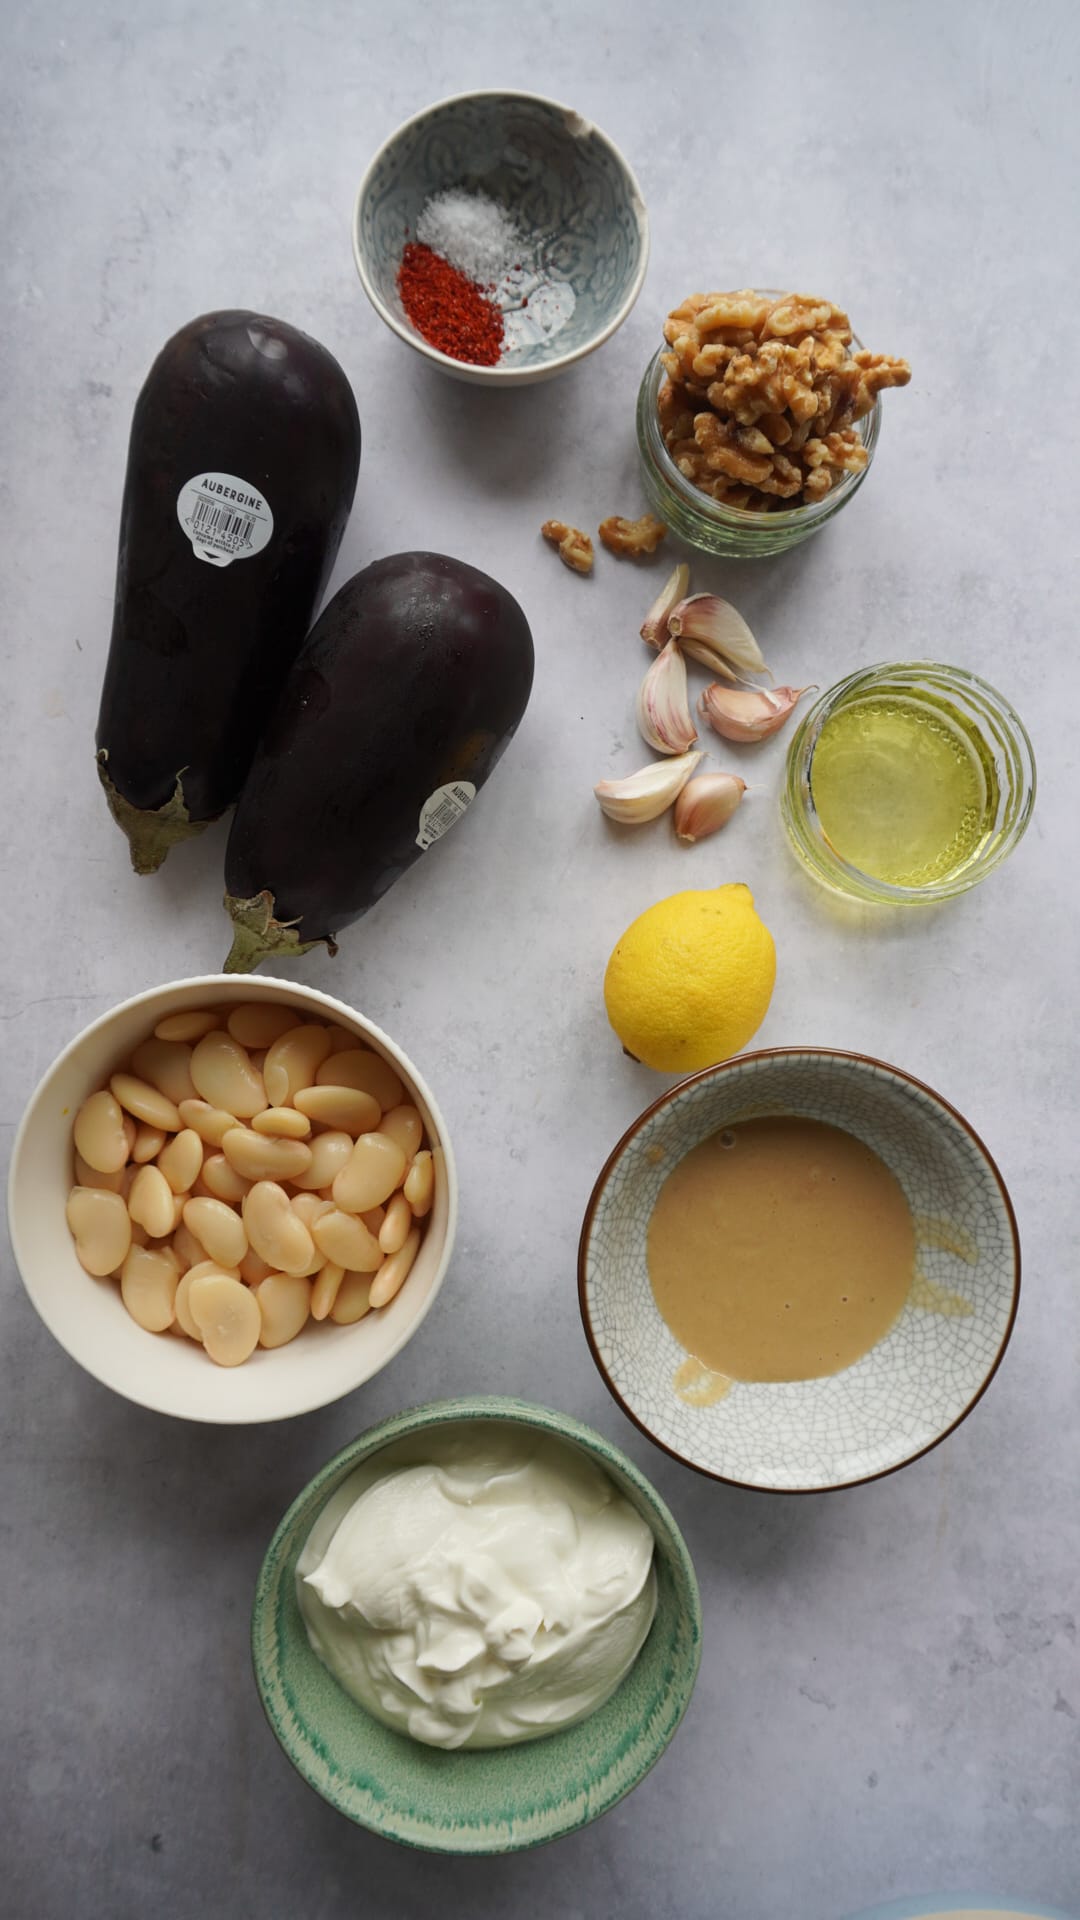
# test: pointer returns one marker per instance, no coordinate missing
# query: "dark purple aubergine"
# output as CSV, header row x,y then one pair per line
x,y
245,447
404,696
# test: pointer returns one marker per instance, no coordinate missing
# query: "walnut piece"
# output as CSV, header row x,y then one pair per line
x,y
761,398
632,536
574,547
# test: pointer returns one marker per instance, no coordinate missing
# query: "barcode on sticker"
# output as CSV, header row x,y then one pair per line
x,y
441,809
217,524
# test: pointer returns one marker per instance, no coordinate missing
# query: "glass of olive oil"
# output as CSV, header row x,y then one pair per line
x,y
908,783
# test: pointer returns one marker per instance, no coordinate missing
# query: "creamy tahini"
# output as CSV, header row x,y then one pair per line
x,y
494,1593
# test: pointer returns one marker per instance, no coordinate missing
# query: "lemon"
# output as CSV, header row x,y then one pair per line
x,y
691,979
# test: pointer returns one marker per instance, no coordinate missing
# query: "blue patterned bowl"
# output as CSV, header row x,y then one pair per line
x,y
899,1399
493,1800
566,184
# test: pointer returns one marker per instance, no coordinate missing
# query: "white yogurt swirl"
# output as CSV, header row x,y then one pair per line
x,y
499,1590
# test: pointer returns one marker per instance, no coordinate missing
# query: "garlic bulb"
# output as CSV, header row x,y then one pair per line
x,y
649,792
654,630
707,804
749,714
663,704
710,630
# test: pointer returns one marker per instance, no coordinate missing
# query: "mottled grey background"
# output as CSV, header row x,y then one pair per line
x,y
890,1692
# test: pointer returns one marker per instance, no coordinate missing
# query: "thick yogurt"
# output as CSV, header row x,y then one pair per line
x,y
498,1590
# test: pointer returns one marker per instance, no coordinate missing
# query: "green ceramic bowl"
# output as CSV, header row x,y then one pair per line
x,y
490,1801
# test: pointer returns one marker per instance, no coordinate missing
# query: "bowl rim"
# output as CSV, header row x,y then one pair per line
x,y
315,997
503,375
452,1412
741,1060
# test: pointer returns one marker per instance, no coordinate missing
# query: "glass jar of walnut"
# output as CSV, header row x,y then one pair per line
x,y
714,526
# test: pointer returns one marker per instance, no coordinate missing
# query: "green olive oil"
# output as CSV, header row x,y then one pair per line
x,y
904,788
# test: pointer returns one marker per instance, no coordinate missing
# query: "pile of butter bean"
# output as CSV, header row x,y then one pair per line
x,y
246,1172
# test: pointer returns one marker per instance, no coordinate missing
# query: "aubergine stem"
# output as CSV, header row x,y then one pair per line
x,y
257,934
150,831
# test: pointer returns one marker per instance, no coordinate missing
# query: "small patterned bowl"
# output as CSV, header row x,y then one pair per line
x,y
563,180
903,1396
489,1801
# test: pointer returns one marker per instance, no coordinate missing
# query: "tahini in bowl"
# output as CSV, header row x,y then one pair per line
x,y
911,1389
494,1800
565,183
88,1317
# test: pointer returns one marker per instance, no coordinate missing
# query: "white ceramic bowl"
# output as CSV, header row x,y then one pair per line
x,y
570,188
915,1385
88,1317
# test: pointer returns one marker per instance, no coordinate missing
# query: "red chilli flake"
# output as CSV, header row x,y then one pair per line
x,y
448,309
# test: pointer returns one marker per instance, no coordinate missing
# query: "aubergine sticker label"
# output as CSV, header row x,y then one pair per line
x,y
441,809
225,518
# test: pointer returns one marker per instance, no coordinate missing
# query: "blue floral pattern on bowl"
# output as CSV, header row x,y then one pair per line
x,y
910,1389
563,181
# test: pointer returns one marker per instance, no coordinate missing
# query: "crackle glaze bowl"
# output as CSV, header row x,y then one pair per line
x,y
486,1801
565,183
909,1390
88,1317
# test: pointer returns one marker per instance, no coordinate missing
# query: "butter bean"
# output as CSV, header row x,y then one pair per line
x,y
373,1219
152,1203
375,1167
346,1240
167,1066
368,1072
210,1266
222,1180
419,1184
254,1268
186,1248
101,1227
210,1123
145,1102
181,1309
88,1176
258,1023
397,1225
148,1144
329,1153
353,1299
394,1272
342,1041
148,1281
99,1133
181,1160
310,1207
275,1231
324,1288
225,1077
404,1125
284,1306
220,1229
345,1109
185,1027
293,1061
227,1316
259,1157
282,1123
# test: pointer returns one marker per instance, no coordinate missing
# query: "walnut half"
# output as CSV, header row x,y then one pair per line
x,y
632,536
574,547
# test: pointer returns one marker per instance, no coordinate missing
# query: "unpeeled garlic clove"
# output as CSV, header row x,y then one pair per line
x,y
707,804
663,704
710,630
654,628
750,714
649,792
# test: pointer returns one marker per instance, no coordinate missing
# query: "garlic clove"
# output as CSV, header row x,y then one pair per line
x,y
749,713
649,792
707,804
663,704
654,630
710,630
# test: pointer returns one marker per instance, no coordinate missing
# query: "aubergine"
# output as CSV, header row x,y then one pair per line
x,y
406,693
242,465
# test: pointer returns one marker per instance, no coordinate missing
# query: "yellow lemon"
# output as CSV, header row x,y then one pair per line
x,y
691,979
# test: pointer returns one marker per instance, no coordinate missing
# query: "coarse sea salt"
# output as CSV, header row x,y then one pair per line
x,y
473,232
